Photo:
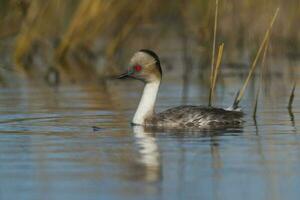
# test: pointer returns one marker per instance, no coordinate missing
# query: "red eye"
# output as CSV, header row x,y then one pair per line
x,y
137,68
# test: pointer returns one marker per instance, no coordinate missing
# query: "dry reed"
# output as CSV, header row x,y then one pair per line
x,y
291,99
108,30
252,68
212,73
216,70
261,77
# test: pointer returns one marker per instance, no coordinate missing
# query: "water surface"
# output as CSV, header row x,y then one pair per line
x,y
75,142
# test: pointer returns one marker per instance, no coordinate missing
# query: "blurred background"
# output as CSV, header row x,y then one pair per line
x,y
64,122
81,40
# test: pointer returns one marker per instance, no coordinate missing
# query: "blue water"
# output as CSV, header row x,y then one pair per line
x,y
75,142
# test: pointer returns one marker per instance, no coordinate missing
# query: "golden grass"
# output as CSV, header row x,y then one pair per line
x,y
67,29
35,27
94,19
253,66
86,12
262,71
28,32
212,73
219,58
216,70
131,23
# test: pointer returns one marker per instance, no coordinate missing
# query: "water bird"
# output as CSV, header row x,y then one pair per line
x,y
145,66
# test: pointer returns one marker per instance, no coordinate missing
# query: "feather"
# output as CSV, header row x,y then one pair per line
x,y
195,116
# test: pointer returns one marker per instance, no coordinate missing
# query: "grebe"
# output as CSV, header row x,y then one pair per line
x,y
145,66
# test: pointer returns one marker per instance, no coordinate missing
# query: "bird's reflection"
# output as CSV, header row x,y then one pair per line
x,y
149,155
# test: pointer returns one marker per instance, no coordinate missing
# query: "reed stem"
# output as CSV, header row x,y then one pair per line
x,y
213,54
219,58
261,77
263,43
291,99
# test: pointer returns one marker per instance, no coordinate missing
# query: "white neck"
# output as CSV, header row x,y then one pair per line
x,y
147,102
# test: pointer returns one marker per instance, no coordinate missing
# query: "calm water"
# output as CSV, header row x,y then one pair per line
x,y
49,150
